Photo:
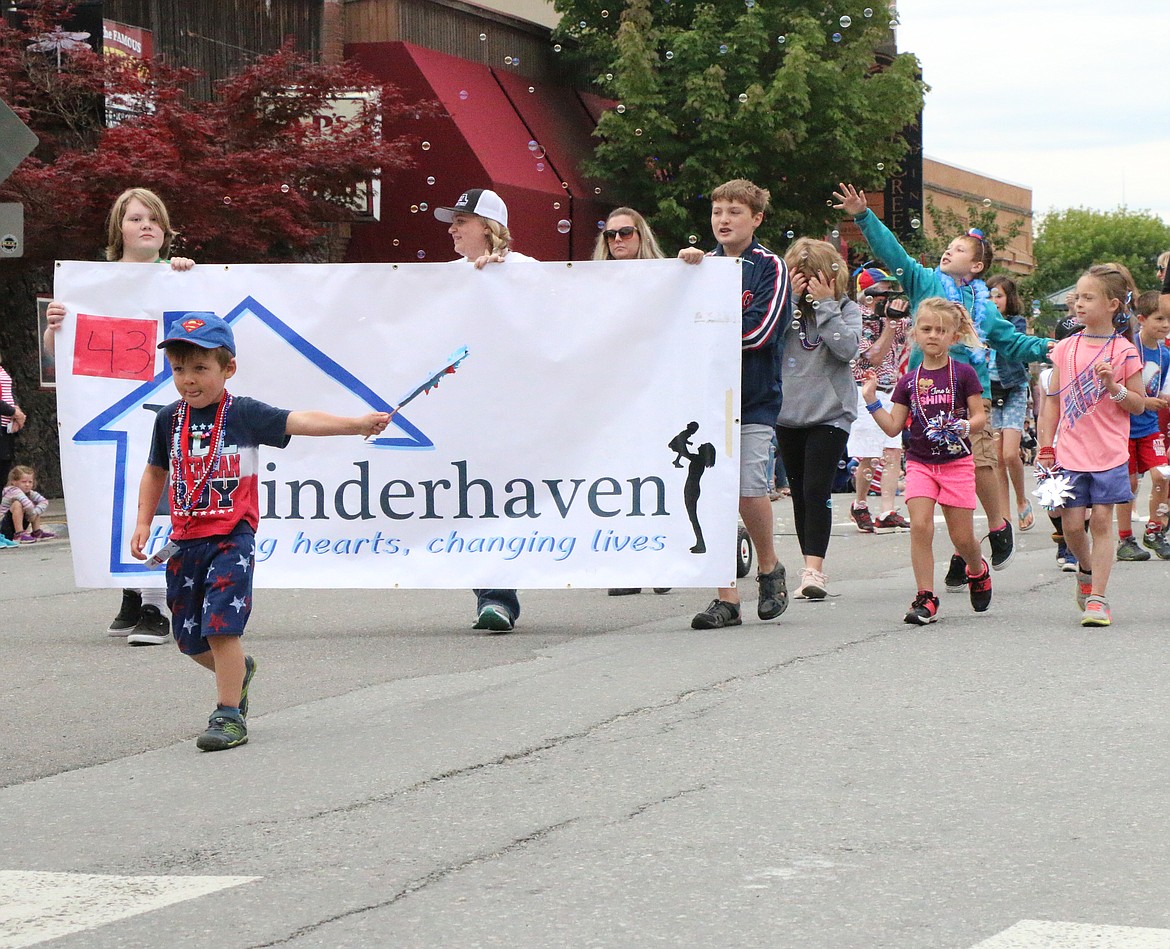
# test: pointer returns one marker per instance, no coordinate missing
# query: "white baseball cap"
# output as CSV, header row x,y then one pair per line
x,y
481,201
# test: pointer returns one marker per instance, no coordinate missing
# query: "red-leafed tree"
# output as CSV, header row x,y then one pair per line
x,y
260,173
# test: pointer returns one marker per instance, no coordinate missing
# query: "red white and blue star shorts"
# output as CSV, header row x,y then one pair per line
x,y
209,589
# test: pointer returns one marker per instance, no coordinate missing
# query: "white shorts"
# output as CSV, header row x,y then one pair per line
x,y
866,439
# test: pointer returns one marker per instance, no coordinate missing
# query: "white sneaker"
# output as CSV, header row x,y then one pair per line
x,y
814,585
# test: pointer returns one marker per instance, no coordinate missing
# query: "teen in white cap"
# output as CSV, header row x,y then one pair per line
x,y
479,228
479,231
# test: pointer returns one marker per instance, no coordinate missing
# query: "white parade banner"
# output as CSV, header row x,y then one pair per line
x,y
542,462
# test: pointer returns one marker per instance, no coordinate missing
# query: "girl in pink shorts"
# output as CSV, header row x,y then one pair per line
x,y
941,403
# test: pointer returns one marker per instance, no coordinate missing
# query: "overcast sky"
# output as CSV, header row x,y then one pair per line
x,y
1068,97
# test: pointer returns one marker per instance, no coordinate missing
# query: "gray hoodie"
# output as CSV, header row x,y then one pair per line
x,y
818,383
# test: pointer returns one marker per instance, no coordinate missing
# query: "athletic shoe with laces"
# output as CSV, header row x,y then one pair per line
x,y
249,671
1066,558
225,729
1156,541
891,522
923,610
773,593
980,589
624,591
5,543
153,628
1096,612
1084,587
1003,547
1128,549
956,578
719,613
814,585
494,618
129,615
26,538
661,590
861,517
44,535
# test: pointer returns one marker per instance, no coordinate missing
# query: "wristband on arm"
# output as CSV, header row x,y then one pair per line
x,y
872,407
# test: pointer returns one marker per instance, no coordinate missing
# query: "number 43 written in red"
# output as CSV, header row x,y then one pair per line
x,y
115,347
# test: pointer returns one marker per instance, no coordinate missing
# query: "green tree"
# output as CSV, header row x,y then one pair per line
x,y
784,93
1070,241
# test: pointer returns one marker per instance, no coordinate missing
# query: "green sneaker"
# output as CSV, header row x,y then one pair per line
x,y
224,730
1156,541
1128,549
249,671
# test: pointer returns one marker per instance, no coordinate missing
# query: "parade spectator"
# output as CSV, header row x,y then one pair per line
x,y
219,538
737,209
883,341
958,278
1095,385
12,421
479,232
1009,403
23,507
138,231
943,400
819,342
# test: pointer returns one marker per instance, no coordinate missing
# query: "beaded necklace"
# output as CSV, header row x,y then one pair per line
x,y
942,430
185,496
806,330
1082,399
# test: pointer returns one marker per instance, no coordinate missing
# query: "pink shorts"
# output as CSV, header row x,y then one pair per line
x,y
952,484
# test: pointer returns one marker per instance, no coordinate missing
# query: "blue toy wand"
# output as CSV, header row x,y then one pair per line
x,y
429,383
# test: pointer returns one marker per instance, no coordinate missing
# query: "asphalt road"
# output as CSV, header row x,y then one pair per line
x,y
605,776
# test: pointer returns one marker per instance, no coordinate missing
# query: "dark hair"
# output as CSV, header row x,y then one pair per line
x,y
1148,303
1011,293
182,351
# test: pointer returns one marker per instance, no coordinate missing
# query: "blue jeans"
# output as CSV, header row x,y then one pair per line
x,y
508,599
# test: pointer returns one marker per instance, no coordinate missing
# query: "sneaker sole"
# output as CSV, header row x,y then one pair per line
x,y
121,633
919,621
701,622
1068,568
1132,559
1002,565
148,639
493,623
1095,620
219,746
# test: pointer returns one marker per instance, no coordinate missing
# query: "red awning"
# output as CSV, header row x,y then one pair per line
x,y
527,146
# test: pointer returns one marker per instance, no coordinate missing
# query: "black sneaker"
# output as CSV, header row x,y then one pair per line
x,y
1156,541
494,618
249,671
624,591
662,590
1003,548
128,615
980,588
224,730
153,628
719,613
923,610
773,593
956,574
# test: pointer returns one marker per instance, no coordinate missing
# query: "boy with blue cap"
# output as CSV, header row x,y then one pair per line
x,y
209,442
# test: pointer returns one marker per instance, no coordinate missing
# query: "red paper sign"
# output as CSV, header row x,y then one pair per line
x,y
115,347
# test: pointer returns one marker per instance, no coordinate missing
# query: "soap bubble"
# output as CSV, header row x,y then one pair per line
x,y
430,180
423,206
722,49
899,272
482,37
556,205
867,12
749,3
781,39
426,146
540,166
620,109
597,191
395,242
670,54
790,234
532,88
743,97
601,225
692,239
846,22
537,149
564,226
556,47
421,255
836,267
796,324
604,14
284,189
881,166
609,77
836,336
637,131
582,24
802,336
414,209
915,223
226,199
836,37
834,233
463,94
507,60
565,185
987,202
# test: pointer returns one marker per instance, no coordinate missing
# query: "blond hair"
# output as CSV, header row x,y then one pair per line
x,y
812,258
154,204
648,248
957,314
745,192
16,472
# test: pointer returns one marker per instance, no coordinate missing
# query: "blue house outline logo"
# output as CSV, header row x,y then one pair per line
x,y
97,430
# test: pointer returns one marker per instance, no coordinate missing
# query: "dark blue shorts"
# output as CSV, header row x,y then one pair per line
x,y
209,590
1099,487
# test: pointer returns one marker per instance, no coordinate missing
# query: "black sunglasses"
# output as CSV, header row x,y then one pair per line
x,y
623,232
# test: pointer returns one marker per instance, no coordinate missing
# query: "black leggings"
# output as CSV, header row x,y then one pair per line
x,y
810,457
